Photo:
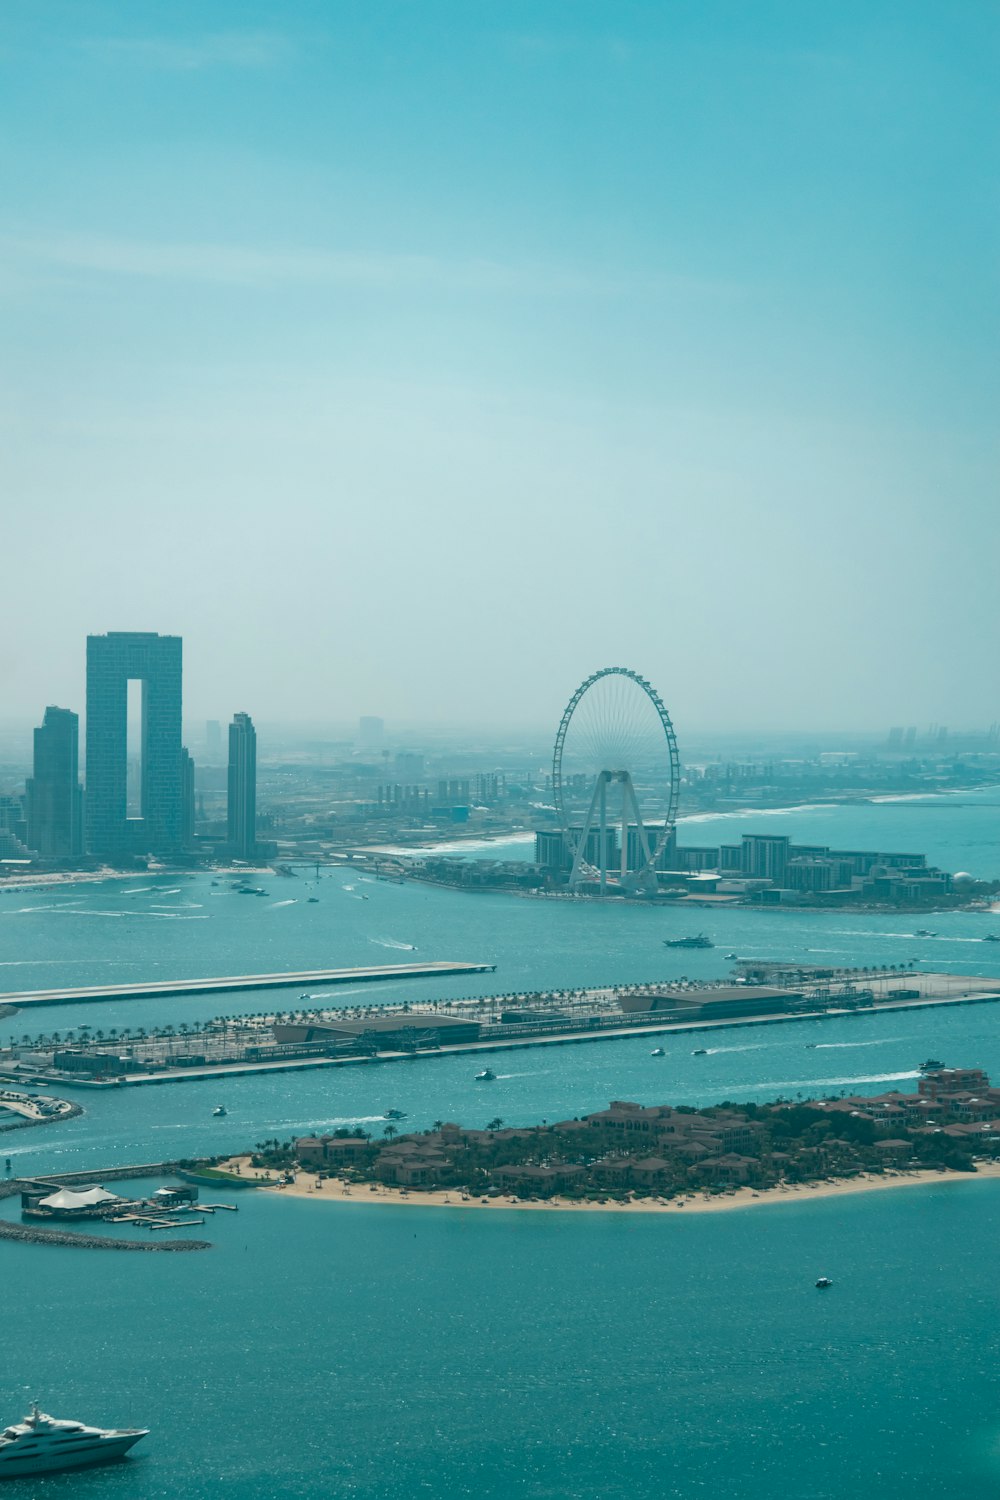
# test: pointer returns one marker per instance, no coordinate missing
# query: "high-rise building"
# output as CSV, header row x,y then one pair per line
x,y
113,661
242,805
187,799
371,732
54,798
213,742
765,856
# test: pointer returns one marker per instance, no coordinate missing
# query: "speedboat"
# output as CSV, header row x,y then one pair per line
x,y
823,1281
730,957
992,937
657,1052
931,1065
41,1444
922,932
219,1110
394,1114
700,1052
486,1076
312,900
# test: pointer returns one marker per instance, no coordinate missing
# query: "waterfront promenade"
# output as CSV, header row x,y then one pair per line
x,y
368,974
940,993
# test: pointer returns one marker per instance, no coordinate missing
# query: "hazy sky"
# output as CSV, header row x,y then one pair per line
x,y
419,358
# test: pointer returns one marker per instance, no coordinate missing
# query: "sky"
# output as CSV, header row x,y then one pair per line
x,y
418,359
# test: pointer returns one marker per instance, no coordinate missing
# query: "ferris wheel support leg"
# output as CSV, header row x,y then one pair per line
x,y
603,856
629,802
580,853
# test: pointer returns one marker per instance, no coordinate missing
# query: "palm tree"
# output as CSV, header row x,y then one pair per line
x,y
495,1124
389,1132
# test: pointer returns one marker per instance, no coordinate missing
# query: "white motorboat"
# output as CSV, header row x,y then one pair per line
x,y
41,1444
657,1052
220,1109
486,1076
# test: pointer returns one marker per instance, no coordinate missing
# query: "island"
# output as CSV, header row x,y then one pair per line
x,y
658,1156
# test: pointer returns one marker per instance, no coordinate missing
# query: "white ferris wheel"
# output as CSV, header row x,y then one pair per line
x,y
615,780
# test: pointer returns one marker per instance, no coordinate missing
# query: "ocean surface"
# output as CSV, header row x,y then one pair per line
x,y
363,1351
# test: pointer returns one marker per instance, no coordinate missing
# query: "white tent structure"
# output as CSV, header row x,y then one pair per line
x,y
73,1200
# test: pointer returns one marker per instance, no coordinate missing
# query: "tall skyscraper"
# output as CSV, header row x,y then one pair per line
x,y
242,805
113,661
54,799
187,799
371,732
213,742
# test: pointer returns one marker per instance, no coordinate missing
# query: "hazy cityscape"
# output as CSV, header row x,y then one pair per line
x,y
499,751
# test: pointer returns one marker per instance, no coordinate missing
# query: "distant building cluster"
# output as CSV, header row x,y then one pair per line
x,y
139,794
766,868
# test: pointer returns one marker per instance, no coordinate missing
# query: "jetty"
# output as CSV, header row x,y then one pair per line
x,y
150,989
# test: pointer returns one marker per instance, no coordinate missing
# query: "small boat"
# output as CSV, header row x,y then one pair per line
x,y
811,1044
486,1076
394,1114
823,1282
312,900
41,1444
734,957
922,932
700,1052
931,1065
700,940
657,1052
219,1110
992,937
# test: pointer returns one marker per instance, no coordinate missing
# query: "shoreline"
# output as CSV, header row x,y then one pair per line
x,y
44,879
335,1190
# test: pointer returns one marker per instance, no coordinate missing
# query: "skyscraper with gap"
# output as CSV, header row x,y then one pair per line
x,y
154,823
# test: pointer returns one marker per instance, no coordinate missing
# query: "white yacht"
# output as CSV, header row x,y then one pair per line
x,y
41,1444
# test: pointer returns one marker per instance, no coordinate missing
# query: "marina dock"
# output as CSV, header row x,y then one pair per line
x,y
150,989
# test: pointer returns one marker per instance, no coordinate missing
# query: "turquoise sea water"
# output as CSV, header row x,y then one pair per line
x,y
362,1351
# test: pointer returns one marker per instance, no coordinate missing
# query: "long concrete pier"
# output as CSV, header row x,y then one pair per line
x,y
435,969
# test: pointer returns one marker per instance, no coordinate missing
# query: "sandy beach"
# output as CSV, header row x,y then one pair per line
x,y
336,1190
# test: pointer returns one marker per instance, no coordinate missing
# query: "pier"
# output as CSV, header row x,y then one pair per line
x,y
150,989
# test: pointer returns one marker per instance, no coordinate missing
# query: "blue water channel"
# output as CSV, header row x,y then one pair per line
x,y
360,1350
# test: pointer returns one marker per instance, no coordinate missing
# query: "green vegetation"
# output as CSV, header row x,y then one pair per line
x,y
632,1151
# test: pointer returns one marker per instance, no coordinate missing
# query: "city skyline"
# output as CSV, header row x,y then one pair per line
x,y
474,402
928,734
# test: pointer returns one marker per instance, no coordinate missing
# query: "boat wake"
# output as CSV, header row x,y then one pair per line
x,y
827,1083
169,916
750,1047
392,943
290,901
879,1042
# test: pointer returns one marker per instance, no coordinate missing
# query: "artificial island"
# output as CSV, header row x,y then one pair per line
x,y
662,1155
